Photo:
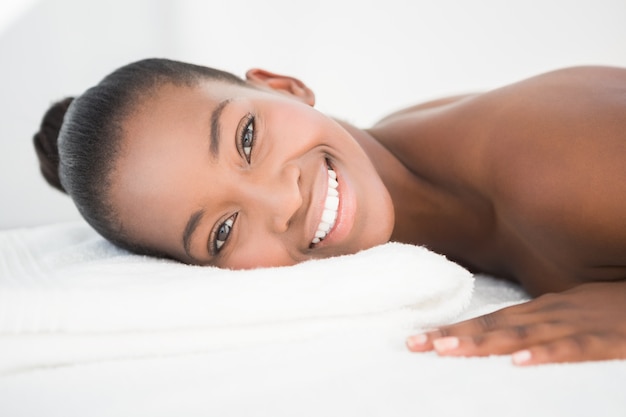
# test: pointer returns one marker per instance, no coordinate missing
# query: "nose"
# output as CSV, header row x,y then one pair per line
x,y
277,197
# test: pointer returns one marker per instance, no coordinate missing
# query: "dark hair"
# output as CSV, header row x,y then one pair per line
x,y
79,139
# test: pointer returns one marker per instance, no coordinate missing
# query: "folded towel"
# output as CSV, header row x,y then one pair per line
x,y
62,282
65,278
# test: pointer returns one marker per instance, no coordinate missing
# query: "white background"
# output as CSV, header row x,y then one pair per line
x,y
362,58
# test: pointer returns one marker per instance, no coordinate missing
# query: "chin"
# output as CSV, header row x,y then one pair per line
x,y
380,238
381,235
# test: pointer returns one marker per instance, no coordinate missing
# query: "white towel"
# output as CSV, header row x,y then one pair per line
x,y
67,295
292,360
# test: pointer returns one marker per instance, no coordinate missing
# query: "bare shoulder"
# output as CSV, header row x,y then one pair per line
x,y
594,71
427,105
557,167
565,128
573,77
589,74
547,154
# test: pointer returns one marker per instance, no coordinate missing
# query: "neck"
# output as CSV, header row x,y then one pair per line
x,y
415,200
427,212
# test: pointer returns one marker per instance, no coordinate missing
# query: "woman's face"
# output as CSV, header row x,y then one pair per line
x,y
242,177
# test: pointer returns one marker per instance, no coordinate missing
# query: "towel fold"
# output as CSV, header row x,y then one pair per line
x,y
63,287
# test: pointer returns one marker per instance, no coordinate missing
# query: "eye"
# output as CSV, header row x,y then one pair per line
x,y
221,233
247,137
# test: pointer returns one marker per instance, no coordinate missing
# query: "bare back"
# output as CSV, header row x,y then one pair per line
x,y
527,181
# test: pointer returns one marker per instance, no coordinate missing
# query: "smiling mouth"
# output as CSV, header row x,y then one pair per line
x,y
331,205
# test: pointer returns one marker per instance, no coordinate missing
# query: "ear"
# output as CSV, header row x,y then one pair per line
x,y
282,84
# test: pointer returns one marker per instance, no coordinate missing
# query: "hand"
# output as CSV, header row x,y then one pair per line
x,y
585,323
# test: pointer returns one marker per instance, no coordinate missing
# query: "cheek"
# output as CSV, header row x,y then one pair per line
x,y
299,121
258,254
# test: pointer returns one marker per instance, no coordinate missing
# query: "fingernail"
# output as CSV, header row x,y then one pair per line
x,y
446,344
521,357
416,341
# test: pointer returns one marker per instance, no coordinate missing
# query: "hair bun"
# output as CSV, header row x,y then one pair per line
x,y
46,142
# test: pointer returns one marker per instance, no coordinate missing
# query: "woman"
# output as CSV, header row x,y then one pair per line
x,y
525,182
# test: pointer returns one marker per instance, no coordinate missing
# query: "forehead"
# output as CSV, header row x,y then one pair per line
x,y
169,115
163,154
165,96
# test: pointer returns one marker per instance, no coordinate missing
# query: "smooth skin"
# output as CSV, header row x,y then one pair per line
x,y
526,182
168,174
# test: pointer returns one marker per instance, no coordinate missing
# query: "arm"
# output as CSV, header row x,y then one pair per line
x,y
560,165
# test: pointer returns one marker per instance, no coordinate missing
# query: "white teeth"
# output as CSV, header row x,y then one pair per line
x,y
328,216
331,204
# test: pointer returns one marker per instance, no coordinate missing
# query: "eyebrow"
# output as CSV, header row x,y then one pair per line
x,y
215,127
190,227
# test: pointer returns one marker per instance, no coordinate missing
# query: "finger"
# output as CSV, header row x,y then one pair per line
x,y
514,316
573,348
476,326
508,316
479,325
502,341
419,343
